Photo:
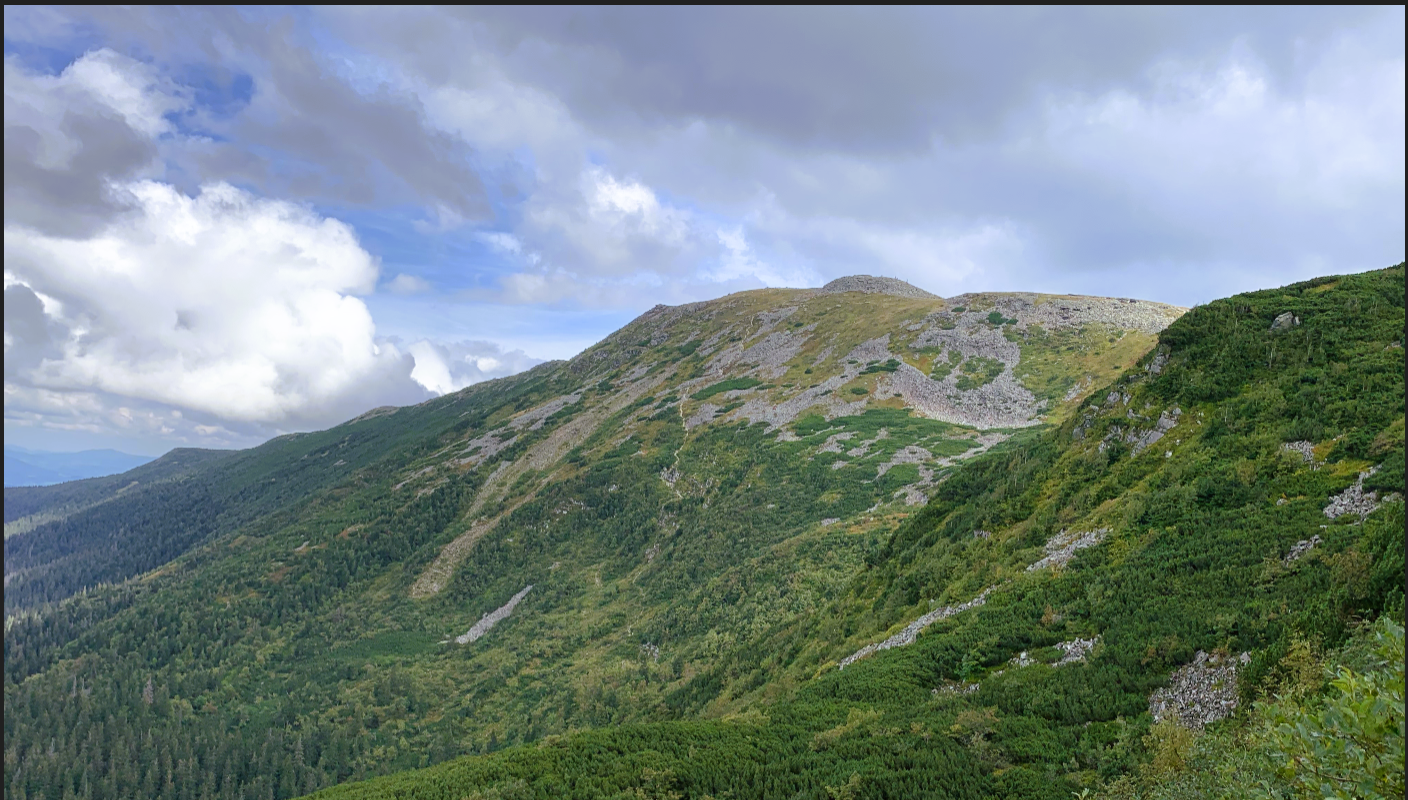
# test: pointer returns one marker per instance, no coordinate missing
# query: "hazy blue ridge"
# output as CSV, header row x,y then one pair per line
x,y
24,467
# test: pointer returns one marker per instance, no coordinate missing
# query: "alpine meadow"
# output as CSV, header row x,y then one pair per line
x,y
850,542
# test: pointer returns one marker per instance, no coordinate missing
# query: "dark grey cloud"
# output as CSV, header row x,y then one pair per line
x,y
613,158
965,149
63,147
29,334
862,79
349,141
305,131
71,198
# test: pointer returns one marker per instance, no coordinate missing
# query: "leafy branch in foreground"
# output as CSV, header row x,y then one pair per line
x,y
1348,744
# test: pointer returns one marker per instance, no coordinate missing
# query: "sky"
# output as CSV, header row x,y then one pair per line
x,y
222,225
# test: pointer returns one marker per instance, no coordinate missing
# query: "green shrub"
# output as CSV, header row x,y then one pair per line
x,y
979,371
733,384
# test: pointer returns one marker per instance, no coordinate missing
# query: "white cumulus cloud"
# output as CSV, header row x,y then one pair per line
x,y
222,303
448,367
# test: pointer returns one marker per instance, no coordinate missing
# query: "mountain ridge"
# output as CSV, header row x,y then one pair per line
x,y
714,507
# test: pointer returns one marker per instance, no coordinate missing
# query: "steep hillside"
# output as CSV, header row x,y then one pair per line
x,y
564,549
704,517
1211,530
986,370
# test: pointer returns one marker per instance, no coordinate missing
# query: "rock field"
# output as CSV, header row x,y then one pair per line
x,y
1063,546
870,284
1354,500
1301,548
1199,693
493,618
912,630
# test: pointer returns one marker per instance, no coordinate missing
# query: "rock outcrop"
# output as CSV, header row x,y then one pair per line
x,y
912,630
1301,548
1354,500
1199,693
493,618
1063,546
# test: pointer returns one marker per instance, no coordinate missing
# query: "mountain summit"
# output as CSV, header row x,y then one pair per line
x,y
869,284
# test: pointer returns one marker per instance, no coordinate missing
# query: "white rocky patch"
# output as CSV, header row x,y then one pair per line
x,y
774,352
1063,546
913,494
1199,693
760,409
870,284
911,631
533,418
1167,421
1301,548
1073,311
1354,500
669,475
833,442
1075,650
706,413
909,454
863,447
484,447
1072,652
1004,403
493,618
768,319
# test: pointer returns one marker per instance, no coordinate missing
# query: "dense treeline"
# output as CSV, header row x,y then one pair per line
x,y
108,543
63,498
105,530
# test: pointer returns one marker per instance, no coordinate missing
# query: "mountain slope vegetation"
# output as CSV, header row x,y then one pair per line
x,y
640,573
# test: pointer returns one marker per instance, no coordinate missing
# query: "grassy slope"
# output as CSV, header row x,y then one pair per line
x,y
1199,524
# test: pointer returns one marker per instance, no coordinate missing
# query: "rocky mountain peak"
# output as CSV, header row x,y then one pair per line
x,y
870,284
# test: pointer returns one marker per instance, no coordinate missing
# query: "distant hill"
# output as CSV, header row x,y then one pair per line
x,y
25,467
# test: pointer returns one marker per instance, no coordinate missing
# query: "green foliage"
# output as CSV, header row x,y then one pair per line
x,y
889,366
732,384
943,365
979,371
1055,362
701,759
1347,743
996,318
